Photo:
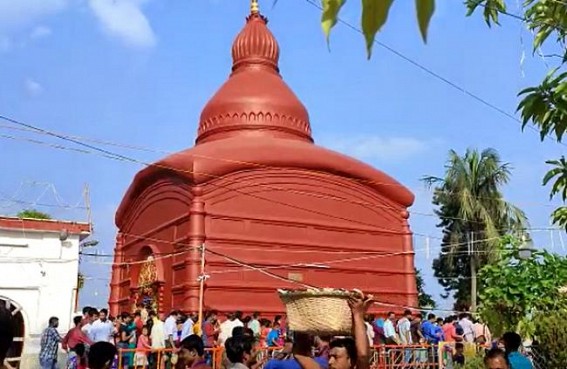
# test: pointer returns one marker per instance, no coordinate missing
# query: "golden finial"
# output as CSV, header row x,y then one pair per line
x,y
254,8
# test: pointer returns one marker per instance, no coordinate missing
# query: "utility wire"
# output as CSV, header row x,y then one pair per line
x,y
251,164
434,74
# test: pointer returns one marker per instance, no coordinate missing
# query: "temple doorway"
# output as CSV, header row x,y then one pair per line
x,y
15,352
146,294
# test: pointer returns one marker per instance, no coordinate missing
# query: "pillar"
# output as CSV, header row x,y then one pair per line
x,y
193,256
116,277
408,263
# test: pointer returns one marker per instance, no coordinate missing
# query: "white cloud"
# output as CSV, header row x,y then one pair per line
x,y
33,88
16,15
40,32
125,20
377,147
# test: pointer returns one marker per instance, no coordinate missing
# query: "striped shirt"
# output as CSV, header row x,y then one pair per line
x,y
49,344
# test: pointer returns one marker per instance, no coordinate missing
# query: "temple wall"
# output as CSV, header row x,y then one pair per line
x,y
294,228
292,222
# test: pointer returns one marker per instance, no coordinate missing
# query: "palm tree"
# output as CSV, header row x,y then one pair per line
x,y
473,216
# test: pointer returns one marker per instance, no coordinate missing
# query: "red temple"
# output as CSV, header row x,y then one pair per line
x,y
273,209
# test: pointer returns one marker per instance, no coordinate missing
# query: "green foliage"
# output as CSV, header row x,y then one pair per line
x,y
559,174
492,8
424,300
551,333
476,362
470,200
329,18
33,214
424,9
514,289
545,105
374,16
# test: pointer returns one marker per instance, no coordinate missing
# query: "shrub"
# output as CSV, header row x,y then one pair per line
x,y
551,339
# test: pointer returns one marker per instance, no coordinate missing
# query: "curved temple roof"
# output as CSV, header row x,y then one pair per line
x,y
254,120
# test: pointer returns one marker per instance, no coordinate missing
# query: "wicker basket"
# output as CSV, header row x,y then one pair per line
x,y
318,311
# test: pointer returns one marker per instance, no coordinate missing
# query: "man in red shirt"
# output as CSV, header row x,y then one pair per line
x,y
210,331
138,322
75,336
450,331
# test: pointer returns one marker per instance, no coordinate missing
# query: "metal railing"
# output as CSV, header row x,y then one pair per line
x,y
382,357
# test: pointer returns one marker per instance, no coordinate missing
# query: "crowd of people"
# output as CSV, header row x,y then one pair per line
x,y
146,340
412,329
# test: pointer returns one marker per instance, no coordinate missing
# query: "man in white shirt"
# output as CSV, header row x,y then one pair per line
x,y
90,315
170,328
227,326
187,328
468,327
101,330
157,337
404,330
238,319
390,331
254,324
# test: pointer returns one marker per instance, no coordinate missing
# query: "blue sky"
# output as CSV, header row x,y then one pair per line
x,y
138,72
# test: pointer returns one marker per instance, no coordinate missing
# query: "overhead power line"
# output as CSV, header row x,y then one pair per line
x,y
228,160
436,75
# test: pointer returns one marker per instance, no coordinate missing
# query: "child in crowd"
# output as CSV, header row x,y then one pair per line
x,y
142,349
79,361
459,355
274,336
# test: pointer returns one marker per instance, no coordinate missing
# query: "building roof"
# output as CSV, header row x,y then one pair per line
x,y
45,225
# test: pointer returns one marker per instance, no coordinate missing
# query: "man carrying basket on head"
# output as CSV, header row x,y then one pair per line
x,y
345,353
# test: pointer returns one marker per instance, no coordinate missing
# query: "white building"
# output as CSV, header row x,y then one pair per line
x,y
39,264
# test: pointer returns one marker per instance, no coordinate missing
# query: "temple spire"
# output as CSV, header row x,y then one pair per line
x,y
254,101
254,7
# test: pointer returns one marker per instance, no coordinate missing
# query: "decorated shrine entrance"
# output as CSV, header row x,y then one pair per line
x,y
147,289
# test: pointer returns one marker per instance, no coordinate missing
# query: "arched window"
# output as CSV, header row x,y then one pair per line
x,y
15,352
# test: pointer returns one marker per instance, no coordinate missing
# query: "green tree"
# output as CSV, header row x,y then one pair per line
x,y
33,214
473,216
424,300
544,105
516,288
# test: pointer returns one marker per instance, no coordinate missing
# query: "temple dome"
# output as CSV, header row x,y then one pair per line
x,y
254,101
